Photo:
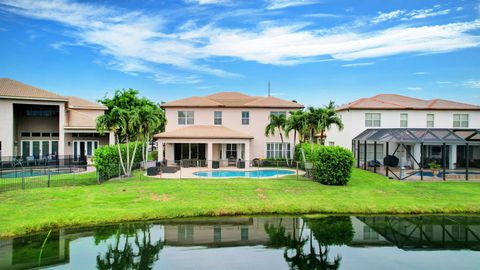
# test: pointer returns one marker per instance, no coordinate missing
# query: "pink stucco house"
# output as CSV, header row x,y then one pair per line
x,y
222,128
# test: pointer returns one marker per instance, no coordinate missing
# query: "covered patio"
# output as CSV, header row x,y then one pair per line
x,y
204,146
419,153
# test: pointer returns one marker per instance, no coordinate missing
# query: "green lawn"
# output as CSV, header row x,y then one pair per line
x,y
147,198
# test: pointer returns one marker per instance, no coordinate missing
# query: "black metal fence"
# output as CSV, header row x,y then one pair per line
x,y
12,162
35,177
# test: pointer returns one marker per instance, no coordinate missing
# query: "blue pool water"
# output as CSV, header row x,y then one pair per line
x,y
248,174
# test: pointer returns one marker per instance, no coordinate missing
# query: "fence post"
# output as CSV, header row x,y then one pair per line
x,y
297,169
23,179
48,172
277,168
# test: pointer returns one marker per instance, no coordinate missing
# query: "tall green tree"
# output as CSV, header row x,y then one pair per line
x,y
127,116
277,124
152,121
313,116
297,123
327,118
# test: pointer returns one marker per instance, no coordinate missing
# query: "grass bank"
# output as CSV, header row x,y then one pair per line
x,y
147,198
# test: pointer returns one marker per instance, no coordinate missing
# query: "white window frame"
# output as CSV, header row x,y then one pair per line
x,y
85,147
245,118
278,152
371,121
404,120
216,117
185,120
460,120
430,122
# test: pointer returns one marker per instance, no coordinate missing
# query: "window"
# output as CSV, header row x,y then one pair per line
x,y
25,134
244,234
372,120
370,152
430,120
245,118
277,113
54,134
278,150
217,118
369,234
35,134
231,151
217,234
185,117
331,143
460,120
404,120
54,147
45,134
185,233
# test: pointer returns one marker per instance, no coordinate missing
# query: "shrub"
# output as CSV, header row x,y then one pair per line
x,y
307,149
333,165
153,155
107,162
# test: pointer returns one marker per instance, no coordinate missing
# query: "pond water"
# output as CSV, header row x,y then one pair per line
x,y
328,242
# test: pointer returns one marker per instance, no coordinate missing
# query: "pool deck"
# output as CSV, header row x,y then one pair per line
x,y
189,172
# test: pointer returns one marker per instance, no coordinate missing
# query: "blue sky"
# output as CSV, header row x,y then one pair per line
x,y
311,50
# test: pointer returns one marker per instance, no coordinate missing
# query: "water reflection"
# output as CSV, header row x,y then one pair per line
x,y
276,242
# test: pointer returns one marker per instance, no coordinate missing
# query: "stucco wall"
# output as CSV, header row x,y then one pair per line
x,y
232,118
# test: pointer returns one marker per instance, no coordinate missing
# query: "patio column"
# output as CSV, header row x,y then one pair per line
x,y
452,157
247,155
209,154
417,153
160,151
61,130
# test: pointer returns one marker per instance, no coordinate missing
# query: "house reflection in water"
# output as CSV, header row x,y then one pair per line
x,y
226,232
144,242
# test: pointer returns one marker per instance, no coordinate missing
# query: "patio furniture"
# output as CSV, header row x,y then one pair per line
x,y
374,163
391,161
215,164
241,164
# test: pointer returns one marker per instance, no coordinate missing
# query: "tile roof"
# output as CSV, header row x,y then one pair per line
x,y
203,132
80,119
80,103
14,89
399,102
233,99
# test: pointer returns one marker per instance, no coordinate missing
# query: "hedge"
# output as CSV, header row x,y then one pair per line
x,y
333,165
107,162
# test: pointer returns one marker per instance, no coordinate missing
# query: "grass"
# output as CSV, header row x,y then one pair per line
x,y
142,198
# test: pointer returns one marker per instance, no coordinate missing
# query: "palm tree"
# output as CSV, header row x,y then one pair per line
x,y
328,117
297,123
277,123
313,116
152,120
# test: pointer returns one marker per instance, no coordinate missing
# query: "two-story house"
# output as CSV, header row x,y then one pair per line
x,y
38,124
418,122
223,127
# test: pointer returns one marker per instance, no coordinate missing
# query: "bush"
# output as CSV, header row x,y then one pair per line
x,y
107,162
307,149
153,155
332,230
333,165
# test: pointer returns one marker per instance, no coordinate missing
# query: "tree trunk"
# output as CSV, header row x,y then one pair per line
x,y
283,144
311,144
143,155
127,140
133,157
294,144
120,154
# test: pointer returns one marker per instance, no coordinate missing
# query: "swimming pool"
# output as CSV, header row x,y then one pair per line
x,y
246,174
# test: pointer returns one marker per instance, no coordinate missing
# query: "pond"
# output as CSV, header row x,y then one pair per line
x,y
326,242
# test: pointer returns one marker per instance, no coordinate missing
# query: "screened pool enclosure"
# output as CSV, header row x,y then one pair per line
x,y
419,153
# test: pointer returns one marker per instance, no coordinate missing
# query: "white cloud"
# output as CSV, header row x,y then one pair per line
x,y
382,17
420,73
358,64
443,82
406,15
472,83
414,88
278,4
424,13
207,2
142,42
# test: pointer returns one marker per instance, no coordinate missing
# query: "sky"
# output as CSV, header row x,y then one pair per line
x,y
311,51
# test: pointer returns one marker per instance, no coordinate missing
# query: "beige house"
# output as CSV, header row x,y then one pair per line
x,y
223,128
38,124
